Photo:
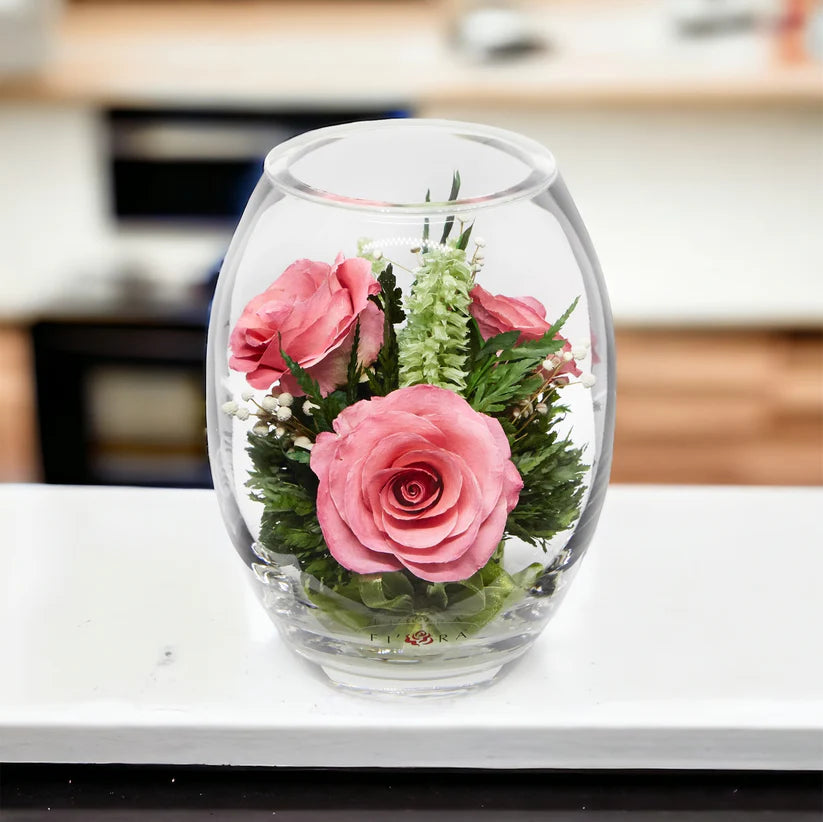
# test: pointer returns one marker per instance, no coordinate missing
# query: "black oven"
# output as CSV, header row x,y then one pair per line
x,y
120,399
199,165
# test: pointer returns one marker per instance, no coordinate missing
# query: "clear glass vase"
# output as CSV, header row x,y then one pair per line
x,y
410,398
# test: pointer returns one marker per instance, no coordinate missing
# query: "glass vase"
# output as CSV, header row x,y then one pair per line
x,y
410,399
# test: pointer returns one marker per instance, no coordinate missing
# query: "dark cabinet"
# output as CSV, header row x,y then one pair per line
x,y
122,401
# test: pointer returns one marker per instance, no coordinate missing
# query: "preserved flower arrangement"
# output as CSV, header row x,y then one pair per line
x,y
411,468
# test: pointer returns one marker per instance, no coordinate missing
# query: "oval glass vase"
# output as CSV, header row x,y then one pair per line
x,y
410,398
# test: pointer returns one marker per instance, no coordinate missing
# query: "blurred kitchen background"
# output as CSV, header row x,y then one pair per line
x,y
690,133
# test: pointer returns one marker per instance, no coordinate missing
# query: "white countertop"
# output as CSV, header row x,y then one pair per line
x,y
690,639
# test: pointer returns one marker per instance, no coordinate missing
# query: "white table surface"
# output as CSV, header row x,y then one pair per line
x,y
690,639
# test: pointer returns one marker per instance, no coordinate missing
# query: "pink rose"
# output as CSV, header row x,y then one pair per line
x,y
311,312
496,314
417,479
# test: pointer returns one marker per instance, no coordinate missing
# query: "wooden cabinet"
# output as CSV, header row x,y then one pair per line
x,y
694,406
711,406
18,450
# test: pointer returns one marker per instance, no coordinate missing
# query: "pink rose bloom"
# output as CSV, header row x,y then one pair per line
x,y
417,479
311,312
496,314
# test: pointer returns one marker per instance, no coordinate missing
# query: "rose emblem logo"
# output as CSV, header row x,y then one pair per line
x,y
419,638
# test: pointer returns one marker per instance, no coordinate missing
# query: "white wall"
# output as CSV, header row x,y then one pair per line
x,y
697,213
51,199
56,226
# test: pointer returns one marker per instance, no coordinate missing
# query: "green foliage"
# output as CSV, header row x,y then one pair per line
x,y
463,240
503,373
552,470
354,370
476,601
285,485
327,407
426,226
391,296
432,346
392,591
455,190
399,603
385,376
474,343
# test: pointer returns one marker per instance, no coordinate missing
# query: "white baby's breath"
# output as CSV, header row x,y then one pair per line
x,y
269,403
303,442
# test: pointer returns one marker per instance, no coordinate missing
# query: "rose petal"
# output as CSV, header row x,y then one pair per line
x,y
355,276
382,445
300,280
393,480
420,533
496,314
310,312
341,473
447,466
419,477
486,541
342,543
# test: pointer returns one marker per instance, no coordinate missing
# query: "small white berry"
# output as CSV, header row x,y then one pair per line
x,y
579,352
242,413
542,408
568,356
269,403
308,408
261,429
285,400
550,364
479,242
283,414
229,407
279,431
303,442
246,395
588,380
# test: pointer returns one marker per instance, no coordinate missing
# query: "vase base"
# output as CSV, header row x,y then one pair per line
x,y
371,663
403,683
353,665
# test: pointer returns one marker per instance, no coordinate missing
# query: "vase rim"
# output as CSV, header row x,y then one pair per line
x,y
538,160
